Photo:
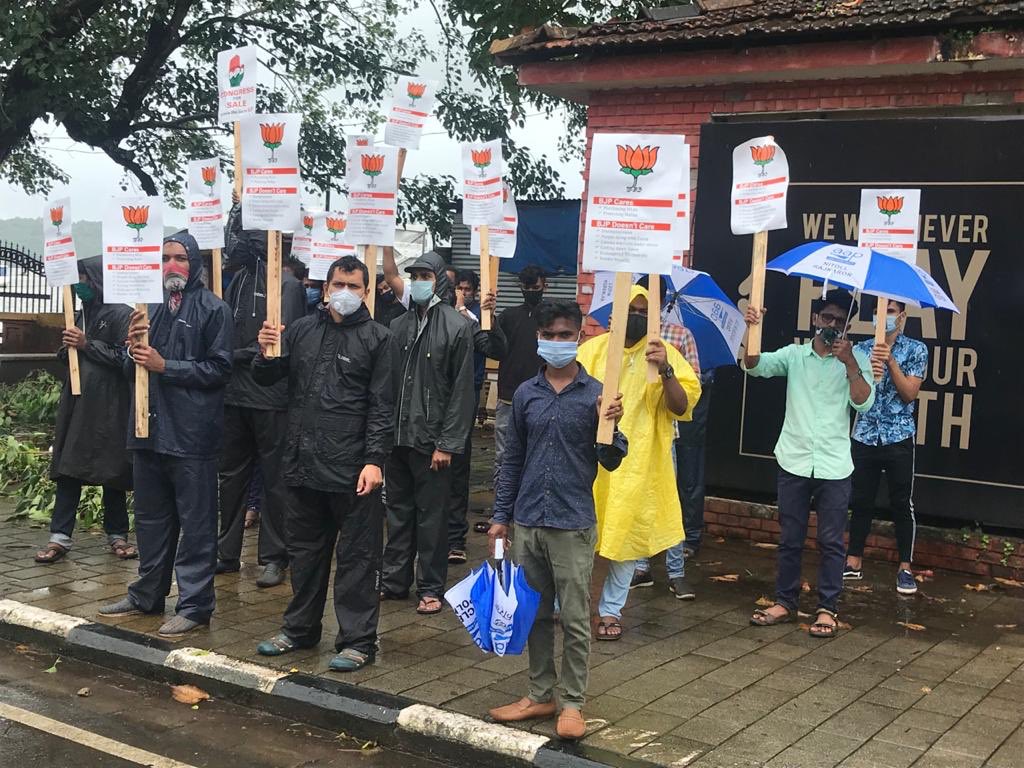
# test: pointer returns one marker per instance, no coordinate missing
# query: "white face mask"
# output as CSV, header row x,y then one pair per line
x,y
344,302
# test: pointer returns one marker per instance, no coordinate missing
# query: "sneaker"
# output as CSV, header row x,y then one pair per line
x,y
852,574
273,574
178,626
641,579
905,583
228,566
278,645
350,660
681,589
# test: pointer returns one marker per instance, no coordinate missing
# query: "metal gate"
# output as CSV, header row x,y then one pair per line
x,y
23,287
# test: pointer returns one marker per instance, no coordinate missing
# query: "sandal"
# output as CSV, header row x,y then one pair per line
x,y
429,606
52,553
123,549
609,630
822,629
762,618
481,527
349,660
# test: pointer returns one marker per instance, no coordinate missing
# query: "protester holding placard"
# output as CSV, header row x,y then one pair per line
x,y
337,365
255,417
188,357
388,306
434,413
824,379
89,441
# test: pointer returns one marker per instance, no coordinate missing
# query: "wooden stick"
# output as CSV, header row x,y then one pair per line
x,y
217,278
69,323
370,259
616,344
880,314
758,260
401,164
495,269
142,385
653,321
485,271
274,286
238,161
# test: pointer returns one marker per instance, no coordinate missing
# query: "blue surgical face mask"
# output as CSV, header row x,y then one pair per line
x,y
557,354
422,291
891,321
312,296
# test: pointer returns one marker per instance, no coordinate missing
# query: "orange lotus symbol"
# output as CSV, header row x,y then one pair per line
x,y
307,223
889,206
57,217
636,162
136,217
504,194
335,225
373,166
481,159
762,156
235,71
415,91
210,177
272,135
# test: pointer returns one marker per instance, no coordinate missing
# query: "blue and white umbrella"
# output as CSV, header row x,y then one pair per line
x,y
695,301
864,270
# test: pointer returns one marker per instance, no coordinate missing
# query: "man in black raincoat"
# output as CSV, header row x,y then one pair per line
x,y
189,362
255,417
434,413
338,367
89,445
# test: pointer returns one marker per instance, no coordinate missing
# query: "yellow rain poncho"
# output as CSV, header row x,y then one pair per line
x,y
638,510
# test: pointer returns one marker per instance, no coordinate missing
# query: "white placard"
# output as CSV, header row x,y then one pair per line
x,y
482,169
203,203
760,183
270,172
372,196
411,104
501,237
328,243
133,235
631,223
683,211
888,222
302,239
237,76
355,142
59,259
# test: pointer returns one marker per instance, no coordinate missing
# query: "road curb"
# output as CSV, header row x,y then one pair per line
x,y
393,721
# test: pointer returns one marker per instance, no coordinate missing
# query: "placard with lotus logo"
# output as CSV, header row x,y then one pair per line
x,y
482,170
271,181
760,186
502,237
237,73
889,222
412,102
133,233
328,242
372,176
59,258
204,203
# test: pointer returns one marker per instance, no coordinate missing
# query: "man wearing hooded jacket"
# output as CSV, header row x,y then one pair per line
x,y
433,415
188,358
255,417
91,430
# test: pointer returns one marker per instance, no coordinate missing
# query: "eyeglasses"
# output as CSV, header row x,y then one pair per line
x,y
829,319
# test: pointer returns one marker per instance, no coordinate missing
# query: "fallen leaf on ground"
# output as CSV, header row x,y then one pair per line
x,y
1006,626
727,577
1010,582
188,694
293,670
926,689
921,578
195,706
861,588
912,627
764,602
22,649
926,572
805,586
977,587
766,545
83,692
53,670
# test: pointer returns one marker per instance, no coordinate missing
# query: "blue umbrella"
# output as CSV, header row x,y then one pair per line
x,y
497,613
471,600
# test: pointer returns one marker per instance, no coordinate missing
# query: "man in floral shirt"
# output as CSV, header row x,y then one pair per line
x,y
883,440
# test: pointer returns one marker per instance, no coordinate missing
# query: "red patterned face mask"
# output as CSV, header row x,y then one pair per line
x,y
175,278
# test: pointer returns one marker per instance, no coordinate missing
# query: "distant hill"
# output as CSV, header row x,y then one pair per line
x,y
28,234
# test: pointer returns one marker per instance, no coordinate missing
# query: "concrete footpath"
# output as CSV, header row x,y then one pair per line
x,y
932,680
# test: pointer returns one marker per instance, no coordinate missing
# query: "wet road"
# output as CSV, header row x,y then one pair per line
x,y
126,721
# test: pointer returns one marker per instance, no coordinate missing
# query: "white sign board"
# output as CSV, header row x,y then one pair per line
x,y
355,142
133,235
328,243
203,203
237,75
270,172
482,169
59,259
302,239
631,223
760,183
501,237
683,211
372,196
411,104
888,222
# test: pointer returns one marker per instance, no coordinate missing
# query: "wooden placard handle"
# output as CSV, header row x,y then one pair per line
x,y
653,321
880,314
370,259
485,271
238,161
69,323
217,278
758,259
142,385
616,345
274,286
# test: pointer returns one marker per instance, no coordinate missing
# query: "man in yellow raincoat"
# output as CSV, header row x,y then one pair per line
x,y
638,511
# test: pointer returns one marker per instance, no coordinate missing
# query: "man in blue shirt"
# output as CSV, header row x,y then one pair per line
x,y
545,487
883,441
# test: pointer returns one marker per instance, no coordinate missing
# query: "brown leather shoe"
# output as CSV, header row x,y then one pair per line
x,y
571,724
524,709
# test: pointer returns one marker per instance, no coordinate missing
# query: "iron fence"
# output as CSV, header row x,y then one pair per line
x,y
23,287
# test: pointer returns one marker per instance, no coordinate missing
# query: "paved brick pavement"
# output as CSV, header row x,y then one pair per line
x,y
689,683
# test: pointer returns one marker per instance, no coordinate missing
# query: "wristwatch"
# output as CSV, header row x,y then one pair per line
x,y
667,373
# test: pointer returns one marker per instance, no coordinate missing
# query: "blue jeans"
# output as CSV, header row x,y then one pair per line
x,y
616,588
690,461
675,562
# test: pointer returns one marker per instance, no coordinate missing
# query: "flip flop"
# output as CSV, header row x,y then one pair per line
x,y
604,627
123,549
53,553
423,608
823,630
762,618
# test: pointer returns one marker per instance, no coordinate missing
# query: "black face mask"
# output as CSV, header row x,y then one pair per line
x,y
828,335
386,298
636,327
532,298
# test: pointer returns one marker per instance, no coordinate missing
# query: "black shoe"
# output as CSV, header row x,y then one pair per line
x,y
273,574
681,589
228,566
641,579
852,574
456,556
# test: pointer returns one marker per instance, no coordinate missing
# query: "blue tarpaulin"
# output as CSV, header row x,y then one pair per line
x,y
548,236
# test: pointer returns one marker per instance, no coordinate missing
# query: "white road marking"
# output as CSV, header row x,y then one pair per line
x,y
87,738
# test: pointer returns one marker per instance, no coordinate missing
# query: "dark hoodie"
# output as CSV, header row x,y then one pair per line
x,y
89,444
186,401
434,393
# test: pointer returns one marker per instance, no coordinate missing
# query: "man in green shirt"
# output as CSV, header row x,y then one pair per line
x,y
824,379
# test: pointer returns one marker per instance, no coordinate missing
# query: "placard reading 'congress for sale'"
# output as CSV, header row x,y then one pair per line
x,y
372,196
133,234
237,75
203,204
501,237
760,183
411,104
270,172
888,222
59,259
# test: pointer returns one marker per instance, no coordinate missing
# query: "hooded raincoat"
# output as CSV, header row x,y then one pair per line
x,y
638,510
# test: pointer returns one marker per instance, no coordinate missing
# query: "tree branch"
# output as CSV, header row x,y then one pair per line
x,y
126,160
179,124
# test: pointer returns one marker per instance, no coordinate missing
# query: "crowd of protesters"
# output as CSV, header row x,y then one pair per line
x,y
353,443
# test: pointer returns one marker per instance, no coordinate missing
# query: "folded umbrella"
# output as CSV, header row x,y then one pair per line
x,y
472,600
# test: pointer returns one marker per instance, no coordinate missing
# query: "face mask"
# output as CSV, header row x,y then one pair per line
x,y
388,297
636,327
828,335
422,291
557,354
312,296
344,302
890,323
84,291
175,276
532,298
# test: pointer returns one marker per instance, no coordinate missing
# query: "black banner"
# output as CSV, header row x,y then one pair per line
x,y
969,412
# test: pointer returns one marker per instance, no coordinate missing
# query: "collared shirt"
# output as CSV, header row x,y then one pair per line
x,y
682,339
891,420
815,438
550,461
